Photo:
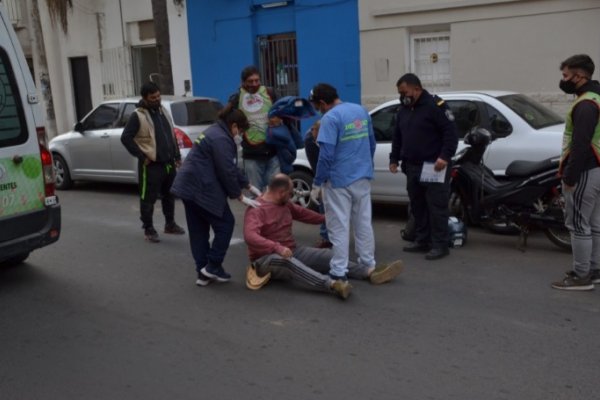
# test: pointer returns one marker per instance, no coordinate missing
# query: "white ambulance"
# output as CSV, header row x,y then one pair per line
x,y
29,209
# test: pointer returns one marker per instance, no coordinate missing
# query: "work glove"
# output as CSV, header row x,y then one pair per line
x,y
254,190
249,202
315,193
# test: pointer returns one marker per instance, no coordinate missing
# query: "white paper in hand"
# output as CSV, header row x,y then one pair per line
x,y
429,174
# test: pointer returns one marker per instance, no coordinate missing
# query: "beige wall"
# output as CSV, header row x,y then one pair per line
x,y
504,44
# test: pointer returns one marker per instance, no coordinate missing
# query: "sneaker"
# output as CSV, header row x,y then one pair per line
x,y
174,229
595,276
574,282
151,235
386,273
324,244
341,288
216,273
202,280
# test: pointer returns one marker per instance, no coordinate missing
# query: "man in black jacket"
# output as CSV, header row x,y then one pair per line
x,y
149,137
580,172
423,144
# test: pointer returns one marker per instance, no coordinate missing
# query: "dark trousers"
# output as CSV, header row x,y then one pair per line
x,y
155,180
199,223
429,206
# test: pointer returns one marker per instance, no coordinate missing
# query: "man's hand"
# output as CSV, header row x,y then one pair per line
x,y
249,202
315,193
440,164
285,253
394,168
254,190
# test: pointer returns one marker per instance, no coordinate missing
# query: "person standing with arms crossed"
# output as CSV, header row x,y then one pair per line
x,y
149,137
344,171
580,172
255,100
425,134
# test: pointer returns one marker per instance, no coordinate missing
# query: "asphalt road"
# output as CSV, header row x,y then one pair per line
x,y
103,314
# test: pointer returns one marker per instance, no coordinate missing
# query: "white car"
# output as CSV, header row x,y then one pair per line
x,y
93,149
522,128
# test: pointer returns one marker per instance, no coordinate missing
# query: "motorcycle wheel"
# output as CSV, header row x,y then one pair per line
x,y
561,237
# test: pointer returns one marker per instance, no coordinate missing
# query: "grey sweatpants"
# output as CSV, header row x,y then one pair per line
x,y
582,218
307,268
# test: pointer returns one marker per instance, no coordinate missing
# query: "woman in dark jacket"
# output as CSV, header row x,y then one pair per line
x,y
208,177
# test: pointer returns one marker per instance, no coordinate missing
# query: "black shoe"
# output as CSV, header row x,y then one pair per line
x,y
595,276
573,282
151,235
437,253
174,229
416,248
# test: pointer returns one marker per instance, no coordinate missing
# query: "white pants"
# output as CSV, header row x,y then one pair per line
x,y
350,205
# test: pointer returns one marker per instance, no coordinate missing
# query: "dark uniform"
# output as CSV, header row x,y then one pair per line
x,y
425,131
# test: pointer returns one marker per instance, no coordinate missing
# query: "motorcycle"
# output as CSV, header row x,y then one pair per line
x,y
528,197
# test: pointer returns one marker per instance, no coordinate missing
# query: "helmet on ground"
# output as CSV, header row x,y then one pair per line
x,y
253,280
457,232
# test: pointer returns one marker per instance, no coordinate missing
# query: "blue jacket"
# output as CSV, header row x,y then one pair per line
x,y
425,131
210,174
287,140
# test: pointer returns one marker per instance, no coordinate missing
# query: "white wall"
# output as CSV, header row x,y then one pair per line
x,y
495,44
102,24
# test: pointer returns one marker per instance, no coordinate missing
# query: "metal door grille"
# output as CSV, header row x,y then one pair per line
x,y
430,56
278,63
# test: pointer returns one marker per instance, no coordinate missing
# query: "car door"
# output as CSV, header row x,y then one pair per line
x,y
90,152
385,185
124,165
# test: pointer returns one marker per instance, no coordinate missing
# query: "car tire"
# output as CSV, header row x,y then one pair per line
x,y
302,184
14,260
61,173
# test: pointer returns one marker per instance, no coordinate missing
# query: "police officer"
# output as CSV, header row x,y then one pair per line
x,y
423,144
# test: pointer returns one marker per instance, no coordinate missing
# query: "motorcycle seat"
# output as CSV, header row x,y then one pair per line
x,y
522,168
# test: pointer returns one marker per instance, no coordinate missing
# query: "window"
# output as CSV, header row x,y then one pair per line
x,y
384,123
127,111
498,123
102,117
13,128
466,115
197,112
535,114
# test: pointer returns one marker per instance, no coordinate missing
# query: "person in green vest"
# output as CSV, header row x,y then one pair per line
x,y
580,172
255,100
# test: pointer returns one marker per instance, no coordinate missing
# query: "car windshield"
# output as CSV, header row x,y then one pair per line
x,y
196,112
535,114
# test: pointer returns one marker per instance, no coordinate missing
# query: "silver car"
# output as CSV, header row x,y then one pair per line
x,y
523,130
93,149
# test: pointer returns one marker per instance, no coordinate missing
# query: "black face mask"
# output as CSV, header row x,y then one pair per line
x,y
407,100
569,87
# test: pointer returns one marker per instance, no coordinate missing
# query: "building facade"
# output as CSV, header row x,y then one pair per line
x,y
109,50
296,44
475,44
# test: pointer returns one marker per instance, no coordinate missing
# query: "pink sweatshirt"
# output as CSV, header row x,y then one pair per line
x,y
268,228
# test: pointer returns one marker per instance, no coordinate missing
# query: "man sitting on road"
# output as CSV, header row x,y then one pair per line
x,y
273,250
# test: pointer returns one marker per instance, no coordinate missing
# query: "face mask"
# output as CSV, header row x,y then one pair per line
x,y
238,140
407,100
155,105
569,87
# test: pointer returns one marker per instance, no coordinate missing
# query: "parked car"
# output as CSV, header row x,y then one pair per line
x,y
93,149
29,208
523,130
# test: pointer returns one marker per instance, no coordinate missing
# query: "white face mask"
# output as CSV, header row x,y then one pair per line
x,y
238,140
